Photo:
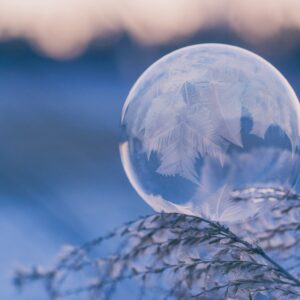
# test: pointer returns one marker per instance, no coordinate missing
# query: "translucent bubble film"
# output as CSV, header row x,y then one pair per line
x,y
207,122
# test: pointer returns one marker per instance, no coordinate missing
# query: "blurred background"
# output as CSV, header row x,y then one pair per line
x,y
66,68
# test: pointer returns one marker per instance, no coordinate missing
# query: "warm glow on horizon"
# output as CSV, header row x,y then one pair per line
x,y
63,28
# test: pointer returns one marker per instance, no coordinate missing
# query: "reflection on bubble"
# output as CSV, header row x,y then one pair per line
x,y
205,121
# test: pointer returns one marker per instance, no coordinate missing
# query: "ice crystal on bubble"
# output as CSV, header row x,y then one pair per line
x,y
204,122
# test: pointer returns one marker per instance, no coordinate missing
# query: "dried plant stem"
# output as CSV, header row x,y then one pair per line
x,y
185,257
252,248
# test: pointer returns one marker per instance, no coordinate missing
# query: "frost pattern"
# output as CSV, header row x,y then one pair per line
x,y
200,125
185,135
216,119
192,106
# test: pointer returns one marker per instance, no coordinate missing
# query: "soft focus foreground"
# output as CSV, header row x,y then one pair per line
x,y
174,256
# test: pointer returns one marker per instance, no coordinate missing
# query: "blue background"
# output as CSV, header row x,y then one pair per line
x,y
61,178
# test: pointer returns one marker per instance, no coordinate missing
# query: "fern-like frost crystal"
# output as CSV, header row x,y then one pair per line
x,y
206,123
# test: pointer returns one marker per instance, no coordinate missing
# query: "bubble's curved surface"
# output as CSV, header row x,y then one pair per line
x,y
205,121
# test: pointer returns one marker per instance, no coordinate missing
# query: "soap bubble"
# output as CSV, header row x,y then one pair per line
x,y
207,122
